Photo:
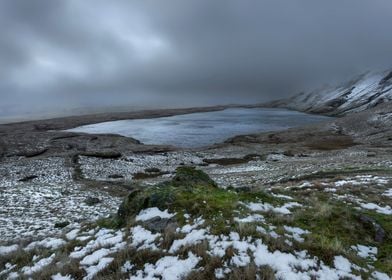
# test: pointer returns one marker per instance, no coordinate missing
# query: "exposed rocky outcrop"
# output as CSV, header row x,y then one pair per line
x,y
362,92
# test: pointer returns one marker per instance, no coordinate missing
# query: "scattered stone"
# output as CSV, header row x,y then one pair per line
x,y
28,178
152,170
103,154
115,176
90,201
142,175
32,153
62,224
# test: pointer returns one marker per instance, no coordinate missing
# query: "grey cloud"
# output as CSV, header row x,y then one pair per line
x,y
57,54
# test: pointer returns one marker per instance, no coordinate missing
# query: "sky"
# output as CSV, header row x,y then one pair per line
x,y
66,54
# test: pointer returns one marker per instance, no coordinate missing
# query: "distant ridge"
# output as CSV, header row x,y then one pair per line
x,y
360,93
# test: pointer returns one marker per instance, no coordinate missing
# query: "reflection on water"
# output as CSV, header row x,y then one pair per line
x,y
202,129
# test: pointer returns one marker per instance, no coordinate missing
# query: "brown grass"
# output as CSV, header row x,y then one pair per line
x,y
335,142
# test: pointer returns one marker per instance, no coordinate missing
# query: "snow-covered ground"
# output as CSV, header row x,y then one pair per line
x,y
37,194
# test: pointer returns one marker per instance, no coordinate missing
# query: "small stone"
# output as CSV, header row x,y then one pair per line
x,y
90,201
28,178
371,154
61,224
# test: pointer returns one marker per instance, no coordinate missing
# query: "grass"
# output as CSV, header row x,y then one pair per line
x,y
193,192
334,227
332,142
384,258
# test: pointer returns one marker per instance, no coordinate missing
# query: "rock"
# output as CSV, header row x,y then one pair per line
x,y
152,170
371,154
115,176
289,153
275,157
32,153
157,224
28,178
61,224
379,232
90,201
190,176
166,194
132,205
102,154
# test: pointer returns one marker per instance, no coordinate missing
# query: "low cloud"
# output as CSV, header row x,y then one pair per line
x,y
69,54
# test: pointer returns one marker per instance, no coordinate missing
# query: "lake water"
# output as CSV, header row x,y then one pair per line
x,y
202,129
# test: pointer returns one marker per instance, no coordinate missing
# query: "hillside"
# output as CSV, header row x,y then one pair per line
x,y
360,93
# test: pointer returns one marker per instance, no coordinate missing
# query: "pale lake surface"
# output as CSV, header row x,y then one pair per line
x,y
203,129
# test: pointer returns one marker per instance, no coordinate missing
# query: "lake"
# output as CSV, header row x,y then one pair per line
x,y
203,129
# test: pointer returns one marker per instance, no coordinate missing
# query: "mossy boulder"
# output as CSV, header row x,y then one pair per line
x,y
189,177
189,189
192,192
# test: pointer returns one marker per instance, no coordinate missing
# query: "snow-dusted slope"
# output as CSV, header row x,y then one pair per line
x,y
363,92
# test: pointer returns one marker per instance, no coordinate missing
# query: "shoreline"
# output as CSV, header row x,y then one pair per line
x,y
67,122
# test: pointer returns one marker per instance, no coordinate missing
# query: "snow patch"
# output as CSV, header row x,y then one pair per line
x,y
366,251
168,268
149,213
5,250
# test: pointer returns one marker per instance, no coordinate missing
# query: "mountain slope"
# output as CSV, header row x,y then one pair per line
x,y
363,92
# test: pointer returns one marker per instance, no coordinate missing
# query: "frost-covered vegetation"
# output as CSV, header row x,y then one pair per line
x,y
190,228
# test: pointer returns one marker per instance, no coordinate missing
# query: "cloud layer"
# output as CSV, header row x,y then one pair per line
x,y
93,53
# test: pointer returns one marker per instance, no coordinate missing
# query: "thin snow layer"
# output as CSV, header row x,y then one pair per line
x,y
72,234
387,210
48,243
380,276
38,266
103,238
5,250
250,219
282,196
265,207
189,227
363,180
168,268
296,233
153,212
7,268
127,267
95,254
388,193
194,237
101,169
143,238
95,269
31,208
95,257
342,263
297,265
58,276
366,251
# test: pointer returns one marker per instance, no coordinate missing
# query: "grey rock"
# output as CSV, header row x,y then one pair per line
x,y
379,234
157,224
90,201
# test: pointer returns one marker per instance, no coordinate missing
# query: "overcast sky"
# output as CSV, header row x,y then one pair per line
x,y
77,53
